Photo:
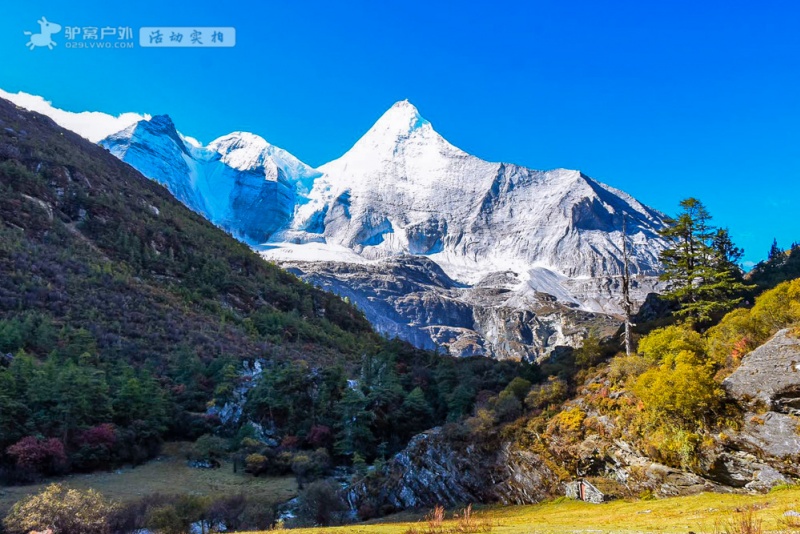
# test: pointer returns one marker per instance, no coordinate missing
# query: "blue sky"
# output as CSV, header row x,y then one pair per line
x,y
661,99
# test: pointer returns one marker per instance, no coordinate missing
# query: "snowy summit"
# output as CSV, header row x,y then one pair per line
x,y
403,191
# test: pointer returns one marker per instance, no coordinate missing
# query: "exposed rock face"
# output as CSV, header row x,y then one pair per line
x,y
620,461
767,385
769,377
435,469
772,434
430,471
739,469
770,374
411,297
521,477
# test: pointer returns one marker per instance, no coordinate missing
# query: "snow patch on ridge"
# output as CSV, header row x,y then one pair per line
x,y
92,125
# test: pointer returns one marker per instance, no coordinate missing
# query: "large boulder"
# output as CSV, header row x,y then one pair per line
x,y
767,385
770,375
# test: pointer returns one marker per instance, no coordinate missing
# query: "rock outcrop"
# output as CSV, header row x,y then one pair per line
x,y
438,469
442,467
767,385
412,298
770,374
434,469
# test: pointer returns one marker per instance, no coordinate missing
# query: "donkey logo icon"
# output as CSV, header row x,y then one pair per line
x,y
43,37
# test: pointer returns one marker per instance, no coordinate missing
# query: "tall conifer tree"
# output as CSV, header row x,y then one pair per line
x,y
701,265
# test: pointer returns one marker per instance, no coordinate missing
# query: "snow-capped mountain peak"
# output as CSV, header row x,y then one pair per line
x,y
245,151
400,131
402,118
242,150
239,181
504,235
403,189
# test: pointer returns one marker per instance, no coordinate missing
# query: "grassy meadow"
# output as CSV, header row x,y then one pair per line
x,y
704,513
167,475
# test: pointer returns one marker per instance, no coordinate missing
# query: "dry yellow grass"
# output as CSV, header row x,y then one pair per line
x,y
167,475
704,513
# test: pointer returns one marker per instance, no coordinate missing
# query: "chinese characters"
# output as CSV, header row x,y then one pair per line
x,y
187,37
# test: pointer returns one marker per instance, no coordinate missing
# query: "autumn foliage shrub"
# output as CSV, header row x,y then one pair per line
x,y
567,422
666,342
678,372
541,396
256,463
682,390
64,511
44,456
103,435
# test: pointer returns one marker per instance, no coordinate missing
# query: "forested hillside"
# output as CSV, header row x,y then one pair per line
x,y
124,316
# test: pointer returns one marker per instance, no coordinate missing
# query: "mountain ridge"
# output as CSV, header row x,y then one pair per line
x,y
401,190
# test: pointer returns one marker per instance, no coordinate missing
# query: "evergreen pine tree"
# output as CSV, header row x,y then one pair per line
x,y
775,253
353,432
701,265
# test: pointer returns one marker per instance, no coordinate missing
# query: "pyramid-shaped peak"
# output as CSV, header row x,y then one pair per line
x,y
405,105
400,126
402,118
161,120
156,126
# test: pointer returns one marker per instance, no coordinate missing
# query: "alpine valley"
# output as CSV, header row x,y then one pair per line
x,y
436,246
128,319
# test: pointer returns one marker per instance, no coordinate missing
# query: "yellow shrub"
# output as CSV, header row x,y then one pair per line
x,y
732,338
673,446
255,463
682,389
777,308
624,367
665,342
568,422
544,395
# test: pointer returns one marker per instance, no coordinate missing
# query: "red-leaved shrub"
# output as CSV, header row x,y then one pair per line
x,y
103,435
41,455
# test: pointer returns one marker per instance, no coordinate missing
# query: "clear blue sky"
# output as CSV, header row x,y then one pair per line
x,y
661,99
